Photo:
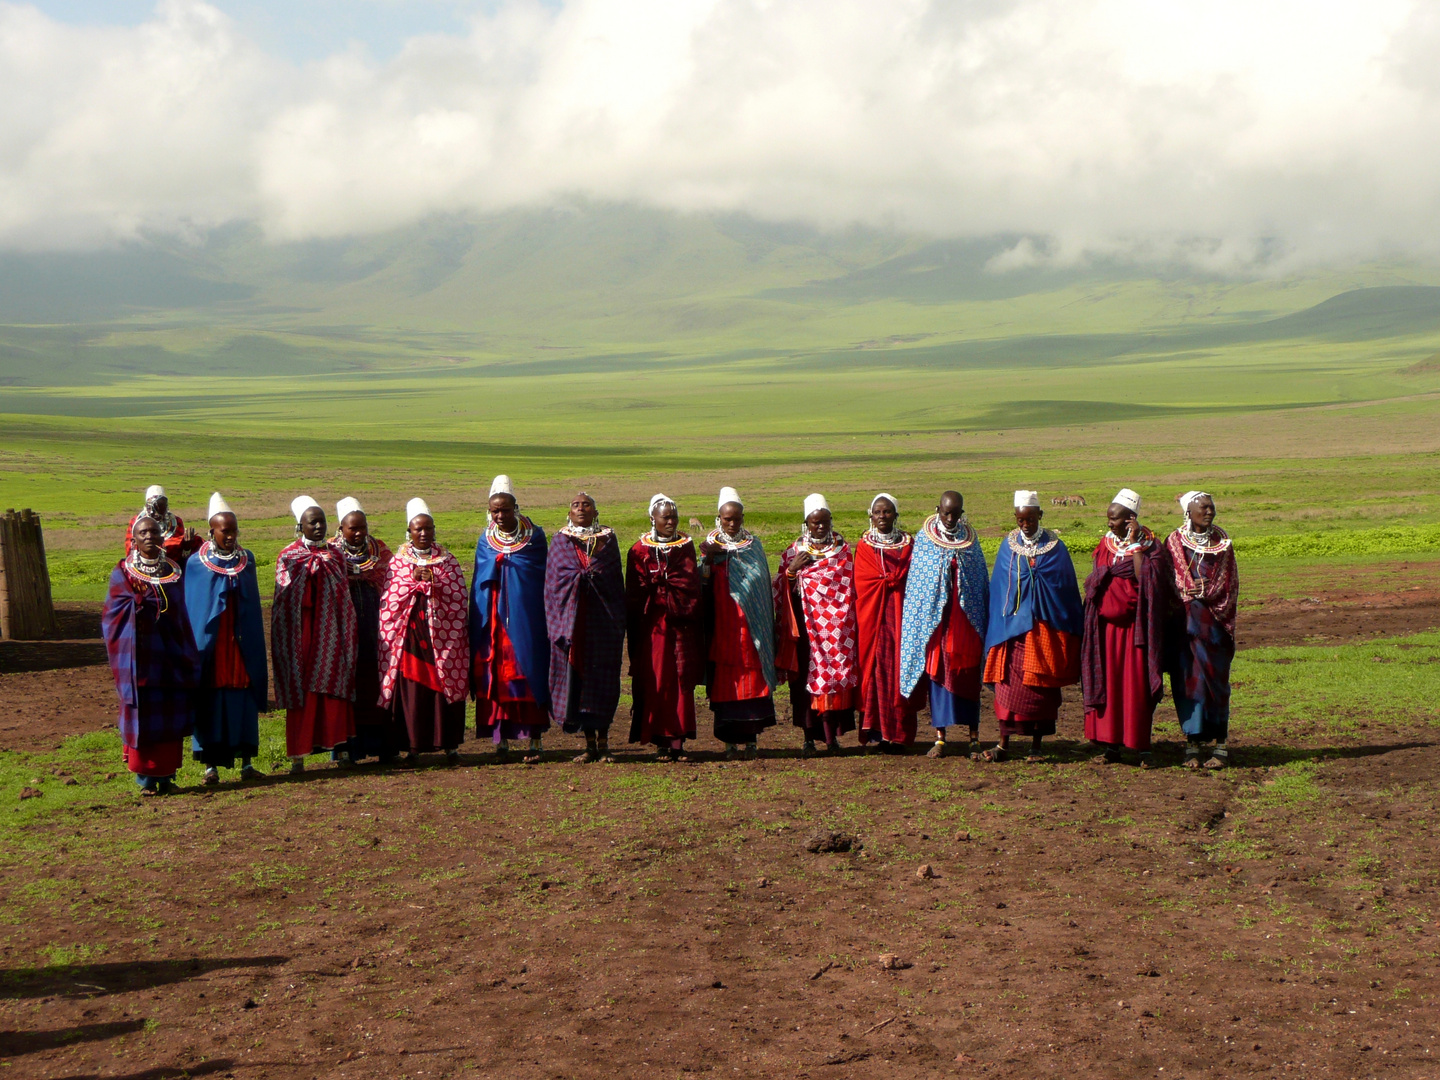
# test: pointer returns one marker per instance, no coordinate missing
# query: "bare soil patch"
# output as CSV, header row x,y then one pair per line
x,y
650,920
642,920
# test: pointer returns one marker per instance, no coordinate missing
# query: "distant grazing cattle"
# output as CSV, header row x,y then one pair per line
x,y
1068,500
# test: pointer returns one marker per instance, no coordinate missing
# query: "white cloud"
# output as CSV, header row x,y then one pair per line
x,y
1216,131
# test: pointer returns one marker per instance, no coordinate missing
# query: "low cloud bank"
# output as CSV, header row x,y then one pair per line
x,y
1227,135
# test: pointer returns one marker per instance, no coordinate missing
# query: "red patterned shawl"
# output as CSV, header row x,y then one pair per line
x,y
334,633
827,599
1222,587
447,611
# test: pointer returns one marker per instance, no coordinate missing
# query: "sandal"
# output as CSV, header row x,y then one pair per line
x,y
585,757
994,754
212,777
732,752
1216,763
533,759
832,748
249,772
938,750
752,751
1192,761
808,750
1147,760
1034,759
1106,757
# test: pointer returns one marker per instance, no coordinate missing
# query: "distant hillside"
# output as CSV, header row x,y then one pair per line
x,y
591,289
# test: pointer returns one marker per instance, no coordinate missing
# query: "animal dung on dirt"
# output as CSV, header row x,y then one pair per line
x,y
824,841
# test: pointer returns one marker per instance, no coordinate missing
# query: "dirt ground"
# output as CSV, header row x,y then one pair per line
x,y
669,921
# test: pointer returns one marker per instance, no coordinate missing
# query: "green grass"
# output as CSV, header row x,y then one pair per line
x,y
1337,691
631,351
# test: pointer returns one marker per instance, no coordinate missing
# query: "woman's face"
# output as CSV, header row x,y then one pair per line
x,y
354,528
1119,518
224,531
422,531
146,535
818,525
1202,512
666,519
504,512
1028,519
582,511
882,516
732,519
312,524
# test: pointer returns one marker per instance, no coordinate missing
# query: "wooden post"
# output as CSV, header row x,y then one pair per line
x,y
27,610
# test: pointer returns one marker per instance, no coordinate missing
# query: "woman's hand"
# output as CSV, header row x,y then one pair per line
x,y
422,573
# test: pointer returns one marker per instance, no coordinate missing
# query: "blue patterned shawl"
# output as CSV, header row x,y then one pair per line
x,y
927,593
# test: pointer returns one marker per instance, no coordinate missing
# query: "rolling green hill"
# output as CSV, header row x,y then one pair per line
x,y
634,349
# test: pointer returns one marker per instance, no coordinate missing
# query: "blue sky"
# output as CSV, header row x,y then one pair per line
x,y
299,29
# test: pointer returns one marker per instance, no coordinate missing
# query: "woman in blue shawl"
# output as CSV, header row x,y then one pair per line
x,y
222,596
509,644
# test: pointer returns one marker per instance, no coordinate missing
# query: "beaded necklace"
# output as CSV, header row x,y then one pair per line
x,y
1119,549
833,548
729,543
361,558
429,557
895,538
962,536
1211,542
160,571
1043,542
509,542
227,563
649,539
589,536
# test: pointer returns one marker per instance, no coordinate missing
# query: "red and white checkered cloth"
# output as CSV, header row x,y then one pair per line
x,y
827,598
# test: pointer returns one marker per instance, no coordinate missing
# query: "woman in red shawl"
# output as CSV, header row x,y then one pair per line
x,y
313,640
815,635
663,593
882,565
178,541
740,630
425,641
1200,643
366,560
1122,653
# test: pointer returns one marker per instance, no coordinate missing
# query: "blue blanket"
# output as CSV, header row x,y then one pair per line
x,y
1021,593
519,576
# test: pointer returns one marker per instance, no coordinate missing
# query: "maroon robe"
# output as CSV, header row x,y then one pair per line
x,y
1122,651
663,595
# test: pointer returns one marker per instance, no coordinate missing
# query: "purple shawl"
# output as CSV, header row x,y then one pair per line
x,y
596,595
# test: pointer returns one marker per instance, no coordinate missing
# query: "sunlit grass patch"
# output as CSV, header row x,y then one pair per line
x,y
1334,690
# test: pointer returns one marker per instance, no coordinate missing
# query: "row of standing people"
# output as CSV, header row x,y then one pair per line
x,y
375,653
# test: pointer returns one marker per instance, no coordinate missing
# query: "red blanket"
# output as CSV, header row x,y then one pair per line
x,y
333,635
447,610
